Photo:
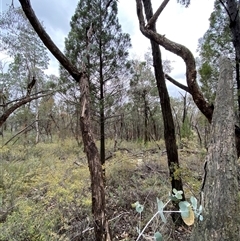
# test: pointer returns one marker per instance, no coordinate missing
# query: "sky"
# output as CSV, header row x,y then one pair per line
x,y
179,24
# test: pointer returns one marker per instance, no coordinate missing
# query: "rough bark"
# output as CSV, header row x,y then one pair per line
x,y
219,193
98,193
169,129
232,8
97,185
102,109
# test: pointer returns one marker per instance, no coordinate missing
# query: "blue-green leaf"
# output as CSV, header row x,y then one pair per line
x,y
160,205
177,194
158,236
139,207
160,210
184,208
194,202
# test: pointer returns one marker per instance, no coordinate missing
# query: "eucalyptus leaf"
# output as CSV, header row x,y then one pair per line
x,y
177,194
158,236
139,208
184,208
160,205
194,202
160,210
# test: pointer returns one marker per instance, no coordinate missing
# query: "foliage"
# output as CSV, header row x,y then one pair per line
x,y
104,56
20,42
143,102
186,130
187,210
216,41
185,3
45,190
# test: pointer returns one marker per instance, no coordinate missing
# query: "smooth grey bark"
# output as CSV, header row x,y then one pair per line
x,y
219,193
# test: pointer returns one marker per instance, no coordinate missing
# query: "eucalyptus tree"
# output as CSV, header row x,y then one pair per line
x,y
169,128
100,223
142,95
219,167
216,41
29,59
105,59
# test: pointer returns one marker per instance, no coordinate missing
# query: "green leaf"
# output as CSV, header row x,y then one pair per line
x,y
174,190
134,204
138,206
160,210
194,202
158,236
160,205
177,194
184,208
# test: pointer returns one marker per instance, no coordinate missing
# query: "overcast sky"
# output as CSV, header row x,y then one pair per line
x,y
182,25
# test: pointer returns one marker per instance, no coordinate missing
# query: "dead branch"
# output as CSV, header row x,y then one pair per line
x,y
21,131
20,103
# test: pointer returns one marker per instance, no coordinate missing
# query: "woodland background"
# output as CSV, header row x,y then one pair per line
x,y
45,185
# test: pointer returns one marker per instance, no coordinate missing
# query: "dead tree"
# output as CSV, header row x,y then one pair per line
x,y
219,192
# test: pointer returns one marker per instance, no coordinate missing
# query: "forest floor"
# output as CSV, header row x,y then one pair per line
x,y
45,190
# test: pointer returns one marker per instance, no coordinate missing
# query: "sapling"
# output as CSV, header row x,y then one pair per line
x,y
188,210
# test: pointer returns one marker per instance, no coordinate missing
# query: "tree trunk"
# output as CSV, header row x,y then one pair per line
x,y
219,193
169,129
233,12
102,110
146,129
97,185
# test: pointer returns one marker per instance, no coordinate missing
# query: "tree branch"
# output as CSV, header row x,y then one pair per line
x,y
155,16
186,55
26,6
181,86
21,131
33,95
140,13
22,102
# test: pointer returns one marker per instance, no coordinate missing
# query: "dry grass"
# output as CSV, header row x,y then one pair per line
x,y
49,184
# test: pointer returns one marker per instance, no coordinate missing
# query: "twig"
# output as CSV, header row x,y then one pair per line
x,y
155,16
18,133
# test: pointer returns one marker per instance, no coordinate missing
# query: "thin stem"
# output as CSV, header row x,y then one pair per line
x,y
139,236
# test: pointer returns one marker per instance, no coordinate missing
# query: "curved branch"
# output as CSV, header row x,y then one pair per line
x,y
73,71
181,86
20,103
187,57
43,92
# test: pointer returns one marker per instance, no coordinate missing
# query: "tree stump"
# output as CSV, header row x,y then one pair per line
x,y
219,193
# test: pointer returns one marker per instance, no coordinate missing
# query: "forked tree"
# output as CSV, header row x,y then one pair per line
x,y
81,77
220,174
169,129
